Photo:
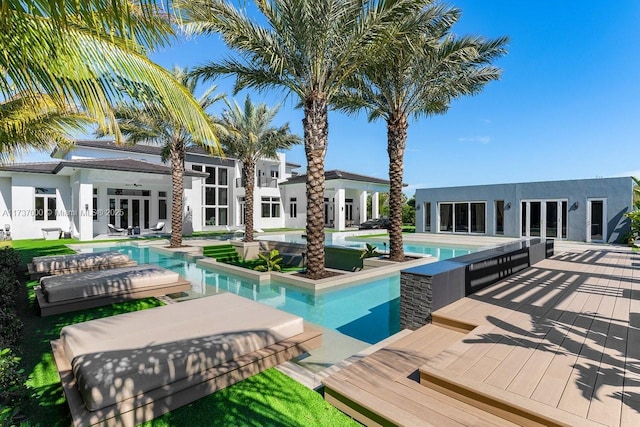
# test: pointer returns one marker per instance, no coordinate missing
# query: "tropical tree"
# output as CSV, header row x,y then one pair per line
x,y
306,48
36,123
141,122
75,52
418,75
251,137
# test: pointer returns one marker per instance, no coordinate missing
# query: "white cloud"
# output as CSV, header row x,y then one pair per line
x,y
486,121
478,139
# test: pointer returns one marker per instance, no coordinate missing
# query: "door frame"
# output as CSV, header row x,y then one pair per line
x,y
590,200
543,217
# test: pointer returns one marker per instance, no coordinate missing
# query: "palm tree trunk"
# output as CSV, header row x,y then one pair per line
x,y
316,129
177,186
248,174
397,127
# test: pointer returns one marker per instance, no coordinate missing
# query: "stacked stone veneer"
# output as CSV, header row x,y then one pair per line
x,y
430,287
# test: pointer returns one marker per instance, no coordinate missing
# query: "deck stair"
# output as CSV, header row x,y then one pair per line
x,y
383,388
222,253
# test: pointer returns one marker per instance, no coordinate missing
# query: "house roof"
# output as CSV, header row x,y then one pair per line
x,y
132,148
293,165
123,164
338,174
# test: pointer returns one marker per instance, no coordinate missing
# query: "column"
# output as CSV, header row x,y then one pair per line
x,y
362,211
85,207
339,206
375,213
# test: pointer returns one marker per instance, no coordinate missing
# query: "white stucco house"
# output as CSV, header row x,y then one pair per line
x,y
98,183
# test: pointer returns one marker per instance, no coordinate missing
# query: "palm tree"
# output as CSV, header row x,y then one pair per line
x,y
251,137
418,75
306,48
75,52
142,123
38,123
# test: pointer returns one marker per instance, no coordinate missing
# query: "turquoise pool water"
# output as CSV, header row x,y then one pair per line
x,y
440,252
368,312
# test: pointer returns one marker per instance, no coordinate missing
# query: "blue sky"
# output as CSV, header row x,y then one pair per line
x,y
567,106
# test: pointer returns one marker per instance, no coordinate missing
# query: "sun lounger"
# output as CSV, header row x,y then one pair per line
x,y
65,264
77,291
130,368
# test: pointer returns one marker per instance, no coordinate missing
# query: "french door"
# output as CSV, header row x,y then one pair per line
x,y
129,212
544,218
596,220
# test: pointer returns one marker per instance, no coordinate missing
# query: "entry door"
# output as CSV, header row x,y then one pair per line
x,y
544,218
596,220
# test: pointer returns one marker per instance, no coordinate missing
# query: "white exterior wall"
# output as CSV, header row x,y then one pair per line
x,y
24,225
5,202
299,192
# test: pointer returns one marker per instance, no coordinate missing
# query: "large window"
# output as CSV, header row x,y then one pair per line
x,y
427,216
162,205
271,207
45,204
500,217
215,194
293,207
463,217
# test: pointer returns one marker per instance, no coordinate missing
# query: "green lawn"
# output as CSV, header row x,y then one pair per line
x,y
269,398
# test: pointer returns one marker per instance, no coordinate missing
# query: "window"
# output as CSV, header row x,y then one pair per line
x,y
162,205
271,207
500,217
427,216
293,207
45,204
275,173
446,216
463,217
215,195
95,204
243,209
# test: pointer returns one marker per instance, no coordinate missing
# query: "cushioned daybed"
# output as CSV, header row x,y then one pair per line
x,y
65,264
130,368
77,291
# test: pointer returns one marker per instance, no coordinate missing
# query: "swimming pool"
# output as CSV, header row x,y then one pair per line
x,y
439,251
368,312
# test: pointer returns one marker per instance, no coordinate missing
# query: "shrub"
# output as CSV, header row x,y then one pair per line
x,y
9,287
269,262
9,261
10,327
370,252
12,392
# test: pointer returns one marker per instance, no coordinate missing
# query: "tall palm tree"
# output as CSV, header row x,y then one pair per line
x,y
76,52
141,122
306,48
418,75
251,137
36,122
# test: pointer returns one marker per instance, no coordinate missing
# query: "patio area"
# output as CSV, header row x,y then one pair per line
x,y
556,344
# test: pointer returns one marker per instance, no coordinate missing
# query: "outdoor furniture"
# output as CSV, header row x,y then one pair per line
x,y
7,232
130,368
75,263
77,291
51,233
115,230
157,228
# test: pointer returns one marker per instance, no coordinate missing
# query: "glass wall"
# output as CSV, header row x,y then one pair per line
x,y
463,217
215,194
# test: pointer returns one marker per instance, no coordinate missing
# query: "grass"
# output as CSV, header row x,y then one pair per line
x,y
269,398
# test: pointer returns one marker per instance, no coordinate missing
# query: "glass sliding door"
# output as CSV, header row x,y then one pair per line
x,y
478,218
544,218
461,214
446,217
499,218
596,220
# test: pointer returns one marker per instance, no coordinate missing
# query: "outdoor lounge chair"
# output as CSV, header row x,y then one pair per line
x,y
115,230
157,228
130,368
65,264
77,291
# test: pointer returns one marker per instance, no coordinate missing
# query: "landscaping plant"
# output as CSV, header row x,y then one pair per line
x,y
370,252
270,262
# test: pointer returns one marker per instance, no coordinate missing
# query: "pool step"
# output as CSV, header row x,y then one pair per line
x,y
222,253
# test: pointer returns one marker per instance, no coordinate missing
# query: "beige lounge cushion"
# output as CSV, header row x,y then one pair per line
x,y
123,356
115,281
45,264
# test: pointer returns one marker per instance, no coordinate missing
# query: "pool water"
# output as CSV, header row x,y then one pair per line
x,y
439,252
369,312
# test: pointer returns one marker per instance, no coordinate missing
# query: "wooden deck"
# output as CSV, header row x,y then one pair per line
x,y
557,344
